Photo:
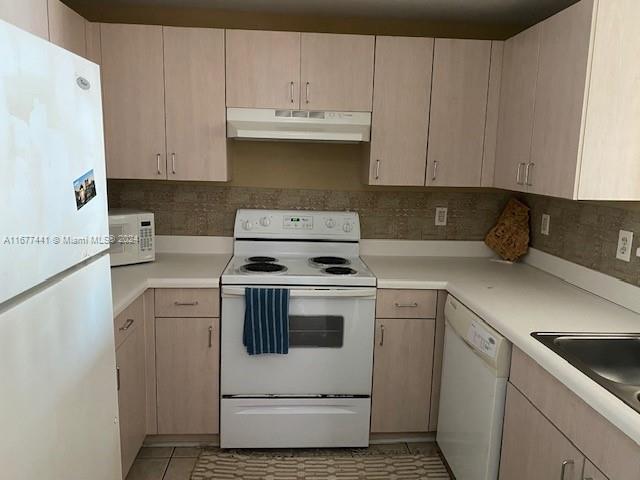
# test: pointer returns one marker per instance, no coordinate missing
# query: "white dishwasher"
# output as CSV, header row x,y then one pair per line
x,y
475,369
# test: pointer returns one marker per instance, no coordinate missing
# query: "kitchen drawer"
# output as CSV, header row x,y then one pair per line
x,y
406,303
187,302
131,318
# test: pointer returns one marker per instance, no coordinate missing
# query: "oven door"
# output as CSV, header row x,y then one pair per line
x,y
331,334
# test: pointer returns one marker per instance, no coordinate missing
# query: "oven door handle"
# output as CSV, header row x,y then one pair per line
x,y
229,292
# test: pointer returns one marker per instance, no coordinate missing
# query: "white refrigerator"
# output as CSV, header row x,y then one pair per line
x,y
58,393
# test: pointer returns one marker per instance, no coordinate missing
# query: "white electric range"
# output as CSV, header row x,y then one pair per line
x,y
319,394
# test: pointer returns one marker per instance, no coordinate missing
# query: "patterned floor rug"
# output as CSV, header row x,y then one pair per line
x,y
317,465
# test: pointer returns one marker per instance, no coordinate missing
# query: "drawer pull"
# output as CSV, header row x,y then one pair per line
x,y
406,305
381,335
210,337
185,304
127,325
564,468
118,377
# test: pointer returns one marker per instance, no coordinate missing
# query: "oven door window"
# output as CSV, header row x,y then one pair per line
x,y
316,331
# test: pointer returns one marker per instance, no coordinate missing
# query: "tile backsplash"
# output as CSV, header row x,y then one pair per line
x,y
585,233
209,209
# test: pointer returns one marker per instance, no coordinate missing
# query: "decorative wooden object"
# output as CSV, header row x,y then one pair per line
x,y
510,236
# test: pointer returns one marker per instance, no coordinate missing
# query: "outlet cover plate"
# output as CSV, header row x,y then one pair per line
x,y
625,242
546,221
441,216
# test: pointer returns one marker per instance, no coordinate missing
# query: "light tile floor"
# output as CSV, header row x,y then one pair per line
x,y
169,463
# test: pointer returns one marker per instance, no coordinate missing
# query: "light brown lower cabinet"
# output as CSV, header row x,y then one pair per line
x,y
592,473
532,448
188,375
402,373
130,364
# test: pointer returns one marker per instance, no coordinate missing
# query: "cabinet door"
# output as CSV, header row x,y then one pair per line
x,y
532,448
592,473
517,101
263,69
67,28
336,72
400,117
458,112
29,15
560,98
133,100
195,104
402,371
92,35
131,396
188,373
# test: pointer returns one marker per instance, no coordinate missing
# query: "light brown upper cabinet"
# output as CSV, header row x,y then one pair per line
x,y
517,101
133,100
29,15
195,104
263,69
67,28
560,90
336,72
163,88
400,117
458,112
92,35
570,112
299,71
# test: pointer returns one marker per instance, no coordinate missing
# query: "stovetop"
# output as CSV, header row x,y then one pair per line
x,y
284,247
296,270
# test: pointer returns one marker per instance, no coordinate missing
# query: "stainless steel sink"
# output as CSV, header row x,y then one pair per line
x,y
612,360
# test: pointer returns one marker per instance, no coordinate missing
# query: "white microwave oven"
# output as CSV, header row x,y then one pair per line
x,y
132,237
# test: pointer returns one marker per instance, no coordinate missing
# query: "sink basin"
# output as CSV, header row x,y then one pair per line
x,y
612,360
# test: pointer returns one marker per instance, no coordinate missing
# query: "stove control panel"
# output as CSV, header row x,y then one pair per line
x,y
281,224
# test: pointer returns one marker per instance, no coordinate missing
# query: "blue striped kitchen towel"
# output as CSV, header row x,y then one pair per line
x,y
266,321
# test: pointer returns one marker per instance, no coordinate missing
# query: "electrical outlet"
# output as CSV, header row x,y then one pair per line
x,y
625,241
441,216
546,220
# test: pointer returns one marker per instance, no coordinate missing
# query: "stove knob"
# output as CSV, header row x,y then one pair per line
x,y
347,227
265,221
330,223
247,225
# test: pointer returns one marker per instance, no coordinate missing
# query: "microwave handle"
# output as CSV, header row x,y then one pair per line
x,y
229,292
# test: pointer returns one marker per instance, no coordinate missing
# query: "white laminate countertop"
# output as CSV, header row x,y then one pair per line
x,y
170,270
516,300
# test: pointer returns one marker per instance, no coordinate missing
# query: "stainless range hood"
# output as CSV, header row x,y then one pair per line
x,y
300,125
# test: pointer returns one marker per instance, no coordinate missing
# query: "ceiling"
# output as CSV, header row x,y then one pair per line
x,y
510,12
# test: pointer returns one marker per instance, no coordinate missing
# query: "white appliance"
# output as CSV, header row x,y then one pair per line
x,y
319,394
132,236
474,381
301,125
58,406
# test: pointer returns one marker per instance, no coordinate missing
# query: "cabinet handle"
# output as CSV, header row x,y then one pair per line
x,y
118,377
291,91
564,468
519,174
528,173
435,170
210,336
307,92
185,304
127,325
158,163
406,305
378,169
173,163
381,335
